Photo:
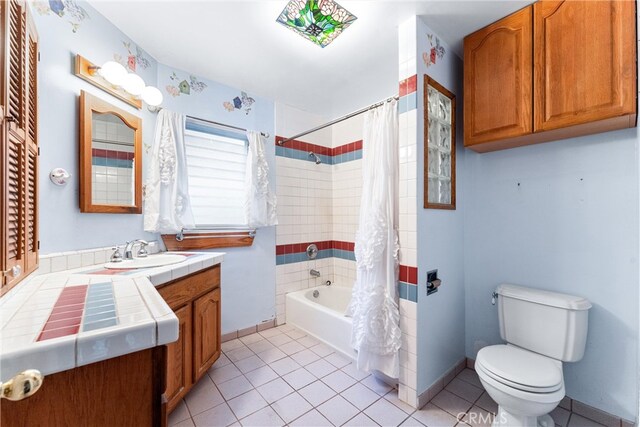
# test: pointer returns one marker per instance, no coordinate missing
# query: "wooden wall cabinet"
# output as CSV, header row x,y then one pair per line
x,y
195,300
18,144
582,79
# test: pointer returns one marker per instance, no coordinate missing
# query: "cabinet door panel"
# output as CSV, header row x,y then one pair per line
x,y
179,359
585,62
206,327
498,80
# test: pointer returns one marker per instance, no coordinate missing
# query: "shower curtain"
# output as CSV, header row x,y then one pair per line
x,y
374,303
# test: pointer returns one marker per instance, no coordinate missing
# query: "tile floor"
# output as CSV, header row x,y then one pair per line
x,y
282,377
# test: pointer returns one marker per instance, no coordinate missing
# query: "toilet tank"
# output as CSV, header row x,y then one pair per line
x,y
544,322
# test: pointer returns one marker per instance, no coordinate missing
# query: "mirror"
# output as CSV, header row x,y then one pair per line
x,y
110,158
440,146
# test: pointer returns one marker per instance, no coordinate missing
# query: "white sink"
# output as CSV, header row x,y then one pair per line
x,y
148,262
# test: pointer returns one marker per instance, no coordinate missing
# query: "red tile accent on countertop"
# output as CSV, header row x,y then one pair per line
x,y
65,322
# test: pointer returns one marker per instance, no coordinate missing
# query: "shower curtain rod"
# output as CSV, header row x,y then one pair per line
x,y
265,134
338,120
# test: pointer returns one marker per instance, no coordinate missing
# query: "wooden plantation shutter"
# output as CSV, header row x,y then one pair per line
x,y
19,152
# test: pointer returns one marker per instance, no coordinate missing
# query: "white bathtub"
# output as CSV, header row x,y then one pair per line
x,y
323,317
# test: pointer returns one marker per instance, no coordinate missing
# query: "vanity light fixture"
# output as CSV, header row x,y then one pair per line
x,y
319,21
114,78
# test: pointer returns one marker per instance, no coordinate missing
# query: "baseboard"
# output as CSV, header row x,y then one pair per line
x,y
441,383
267,324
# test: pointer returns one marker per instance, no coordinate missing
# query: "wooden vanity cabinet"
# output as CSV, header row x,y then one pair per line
x,y
582,79
195,299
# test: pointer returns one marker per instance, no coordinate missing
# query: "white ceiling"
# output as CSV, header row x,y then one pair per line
x,y
238,43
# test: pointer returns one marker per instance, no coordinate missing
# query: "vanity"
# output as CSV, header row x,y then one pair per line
x,y
116,346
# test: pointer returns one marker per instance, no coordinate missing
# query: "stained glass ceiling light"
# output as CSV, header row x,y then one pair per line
x,y
320,21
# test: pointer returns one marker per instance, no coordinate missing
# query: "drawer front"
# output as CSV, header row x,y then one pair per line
x,y
186,289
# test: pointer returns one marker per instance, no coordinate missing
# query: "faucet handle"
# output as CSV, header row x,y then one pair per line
x,y
142,252
116,256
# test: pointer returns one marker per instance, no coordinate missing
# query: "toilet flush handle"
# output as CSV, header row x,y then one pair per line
x,y
494,296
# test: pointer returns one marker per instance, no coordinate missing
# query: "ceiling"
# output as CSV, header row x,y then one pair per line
x,y
238,43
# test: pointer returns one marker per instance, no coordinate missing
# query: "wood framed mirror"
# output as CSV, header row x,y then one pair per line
x,y
110,158
439,146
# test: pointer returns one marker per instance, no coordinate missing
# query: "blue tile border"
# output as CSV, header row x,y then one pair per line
x,y
408,291
325,253
292,153
99,307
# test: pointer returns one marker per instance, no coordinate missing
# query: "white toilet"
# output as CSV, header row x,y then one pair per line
x,y
542,329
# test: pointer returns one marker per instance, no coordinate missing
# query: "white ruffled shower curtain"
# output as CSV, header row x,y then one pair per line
x,y
260,199
167,206
374,304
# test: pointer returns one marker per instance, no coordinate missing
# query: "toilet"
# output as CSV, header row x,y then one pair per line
x,y
542,329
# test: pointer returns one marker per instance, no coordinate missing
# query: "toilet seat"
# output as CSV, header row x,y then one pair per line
x,y
520,369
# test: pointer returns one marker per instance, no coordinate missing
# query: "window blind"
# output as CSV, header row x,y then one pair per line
x,y
216,168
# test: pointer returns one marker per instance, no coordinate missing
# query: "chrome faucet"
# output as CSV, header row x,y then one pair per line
x,y
314,273
142,252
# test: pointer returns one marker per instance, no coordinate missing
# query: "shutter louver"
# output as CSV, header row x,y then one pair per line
x,y
16,88
31,153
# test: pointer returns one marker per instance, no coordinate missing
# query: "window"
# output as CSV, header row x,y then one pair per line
x,y
216,162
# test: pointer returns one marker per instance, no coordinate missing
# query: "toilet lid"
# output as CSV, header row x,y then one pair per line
x,y
520,368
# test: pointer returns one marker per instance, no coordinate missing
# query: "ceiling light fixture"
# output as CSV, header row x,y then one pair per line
x,y
320,21
116,75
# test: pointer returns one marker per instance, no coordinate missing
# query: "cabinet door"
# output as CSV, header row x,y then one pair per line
x,y
179,359
498,80
585,62
206,332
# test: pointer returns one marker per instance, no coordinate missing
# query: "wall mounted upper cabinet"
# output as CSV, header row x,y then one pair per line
x,y
498,80
582,79
585,56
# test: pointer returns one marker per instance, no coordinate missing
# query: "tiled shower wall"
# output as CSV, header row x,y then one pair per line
x,y
317,203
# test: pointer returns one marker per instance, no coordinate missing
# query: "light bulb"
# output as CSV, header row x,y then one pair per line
x,y
133,84
113,72
152,96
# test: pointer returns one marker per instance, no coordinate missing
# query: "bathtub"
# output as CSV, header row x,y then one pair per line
x,y
323,317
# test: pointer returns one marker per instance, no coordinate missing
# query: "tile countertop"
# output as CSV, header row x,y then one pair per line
x,y
58,321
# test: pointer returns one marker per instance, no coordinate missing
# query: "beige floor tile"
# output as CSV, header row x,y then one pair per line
x,y
279,340
180,413
338,381
265,417
376,385
261,376
560,416
313,418
486,402
337,360
248,339
292,347
284,366
385,413
317,393
338,410
580,421
305,357
478,417
246,404
470,376
464,390
353,371
275,390
239,353
392,397
249,364
411,422
431,415
225,373
221,415
234,387
291,407
260,346
453,404
320,368
204,395
361,420
299,378
231,345
271,355
321,350
360,396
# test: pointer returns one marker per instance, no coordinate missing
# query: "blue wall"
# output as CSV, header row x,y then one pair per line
x,y
248,277
440,234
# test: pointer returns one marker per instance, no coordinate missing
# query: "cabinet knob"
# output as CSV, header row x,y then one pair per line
x,y
23,385
14,271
